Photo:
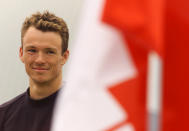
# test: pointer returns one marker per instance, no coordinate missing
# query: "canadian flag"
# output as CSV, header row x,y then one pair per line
x,y
106,84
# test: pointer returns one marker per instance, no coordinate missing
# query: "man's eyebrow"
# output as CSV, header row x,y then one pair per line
x,y
48,48
51,48
30,46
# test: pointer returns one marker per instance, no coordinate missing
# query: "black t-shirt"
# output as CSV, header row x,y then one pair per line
x,y
25,114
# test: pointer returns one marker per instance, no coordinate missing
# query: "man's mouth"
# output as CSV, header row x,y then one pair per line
x,y
39,69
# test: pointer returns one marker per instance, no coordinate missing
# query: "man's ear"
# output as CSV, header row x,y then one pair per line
x,y
65,57
21,54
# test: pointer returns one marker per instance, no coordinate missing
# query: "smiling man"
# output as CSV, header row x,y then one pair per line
x,y
43,51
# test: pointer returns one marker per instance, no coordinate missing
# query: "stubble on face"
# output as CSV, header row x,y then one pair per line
x,y
45,77
42,56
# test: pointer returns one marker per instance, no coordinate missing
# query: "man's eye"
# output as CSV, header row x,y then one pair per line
x,y
32,50
50,52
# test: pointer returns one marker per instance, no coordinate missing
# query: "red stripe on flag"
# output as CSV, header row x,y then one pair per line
x,y
176,81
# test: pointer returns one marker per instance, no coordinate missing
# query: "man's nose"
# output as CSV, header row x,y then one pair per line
x,y
40,59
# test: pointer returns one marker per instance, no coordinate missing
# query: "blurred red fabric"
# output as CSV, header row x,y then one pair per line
x,y
161,26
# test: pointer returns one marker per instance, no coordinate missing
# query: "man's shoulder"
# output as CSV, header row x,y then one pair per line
x,y
13,101
8,108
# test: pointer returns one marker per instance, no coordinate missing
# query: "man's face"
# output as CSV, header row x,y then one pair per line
x,y
42,55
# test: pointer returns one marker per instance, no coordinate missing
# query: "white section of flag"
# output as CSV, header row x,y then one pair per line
x,y
127,127
98,61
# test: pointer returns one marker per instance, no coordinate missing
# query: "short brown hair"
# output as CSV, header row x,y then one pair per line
x,y
47,22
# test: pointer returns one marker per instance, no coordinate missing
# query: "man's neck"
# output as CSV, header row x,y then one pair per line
x,y
42,90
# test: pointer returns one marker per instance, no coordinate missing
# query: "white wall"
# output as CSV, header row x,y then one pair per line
x,y
13,79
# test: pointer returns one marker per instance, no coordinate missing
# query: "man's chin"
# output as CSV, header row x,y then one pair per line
x,y
40,81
